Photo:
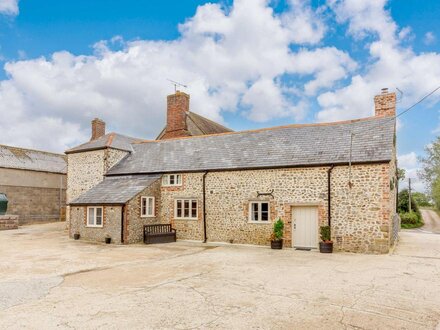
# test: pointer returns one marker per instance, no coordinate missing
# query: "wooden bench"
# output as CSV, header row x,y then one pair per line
x,y
159,234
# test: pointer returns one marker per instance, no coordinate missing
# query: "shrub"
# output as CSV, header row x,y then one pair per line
x,y
402,205
278,230
325,233
410,218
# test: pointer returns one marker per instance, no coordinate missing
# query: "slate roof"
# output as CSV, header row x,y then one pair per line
x,y
116,190
110,140
199,125
34,160
294,145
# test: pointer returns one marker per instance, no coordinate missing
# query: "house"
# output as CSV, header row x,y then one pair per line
x,y
222,186
34,182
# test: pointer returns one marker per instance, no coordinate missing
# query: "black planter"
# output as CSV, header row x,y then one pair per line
x,y
76,236
276,244
108,240
326,247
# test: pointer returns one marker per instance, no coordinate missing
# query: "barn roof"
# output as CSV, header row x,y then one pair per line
x,y
34,160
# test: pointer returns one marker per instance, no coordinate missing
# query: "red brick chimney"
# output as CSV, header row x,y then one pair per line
x,y
385,104
177,109
98,129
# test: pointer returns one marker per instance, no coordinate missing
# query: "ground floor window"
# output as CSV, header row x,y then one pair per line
x,y
185,209
259,211
147,206
94,216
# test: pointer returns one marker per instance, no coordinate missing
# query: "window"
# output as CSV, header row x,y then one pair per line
x,y
170,180
94,216
185,209
147,206
259,212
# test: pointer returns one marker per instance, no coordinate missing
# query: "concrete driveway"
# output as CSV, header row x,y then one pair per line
x,y
431,220
48,281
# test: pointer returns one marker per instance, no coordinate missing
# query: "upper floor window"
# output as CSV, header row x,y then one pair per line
x,y
147,206
170,180
94,216
259,211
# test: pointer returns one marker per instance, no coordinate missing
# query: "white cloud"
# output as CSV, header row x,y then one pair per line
x,y
9,7
392,64
229,56
429,38
410,163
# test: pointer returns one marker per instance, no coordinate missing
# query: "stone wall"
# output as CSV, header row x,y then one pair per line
x,y
360,212
8,222
191,188
111,224
134,224
34,196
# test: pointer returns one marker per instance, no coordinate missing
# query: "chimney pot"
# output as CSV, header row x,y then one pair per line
x,y
385,90
98,129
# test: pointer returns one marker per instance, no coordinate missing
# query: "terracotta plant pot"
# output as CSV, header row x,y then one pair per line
x,y
76,236
326,247
108,240
276,244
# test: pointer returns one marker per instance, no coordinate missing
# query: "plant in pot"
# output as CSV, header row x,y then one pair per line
x,y
76,236
277,235
108,239
326,244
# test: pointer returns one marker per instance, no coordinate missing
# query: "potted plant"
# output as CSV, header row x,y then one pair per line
x,y
277,235
108,239
76,236
326,244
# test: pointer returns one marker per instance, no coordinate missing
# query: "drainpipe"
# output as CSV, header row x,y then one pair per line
x,y
205,237
122,223
329,205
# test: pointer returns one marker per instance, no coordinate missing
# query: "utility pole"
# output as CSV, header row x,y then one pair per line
x,y
409,193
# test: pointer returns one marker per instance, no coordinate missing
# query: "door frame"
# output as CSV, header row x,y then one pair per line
x,y
293,222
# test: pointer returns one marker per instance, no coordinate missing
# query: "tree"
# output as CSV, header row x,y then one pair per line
x,y
401,174
403,203
430,171
421,199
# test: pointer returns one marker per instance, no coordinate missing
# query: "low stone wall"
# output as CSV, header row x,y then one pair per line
x,y
8,222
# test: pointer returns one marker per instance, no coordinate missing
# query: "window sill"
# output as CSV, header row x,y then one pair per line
x,y
148,216
88,226
187,219
260,222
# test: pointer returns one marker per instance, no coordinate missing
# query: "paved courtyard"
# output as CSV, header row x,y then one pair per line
x,y
48,281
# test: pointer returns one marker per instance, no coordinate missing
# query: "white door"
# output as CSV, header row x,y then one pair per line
x,y
305,227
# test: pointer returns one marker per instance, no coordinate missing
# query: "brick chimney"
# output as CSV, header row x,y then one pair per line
x,y
177,109
98,129
385,104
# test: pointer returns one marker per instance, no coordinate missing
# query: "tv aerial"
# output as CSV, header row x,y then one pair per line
x,y
177,84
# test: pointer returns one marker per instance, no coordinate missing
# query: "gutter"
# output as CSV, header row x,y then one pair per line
x,y
205,237
329,204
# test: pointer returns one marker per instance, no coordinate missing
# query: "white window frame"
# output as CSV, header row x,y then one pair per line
x,y
190,200
95,208
177,178
259,203
147,200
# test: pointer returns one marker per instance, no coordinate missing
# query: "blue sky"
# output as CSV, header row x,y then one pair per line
x,y
248,63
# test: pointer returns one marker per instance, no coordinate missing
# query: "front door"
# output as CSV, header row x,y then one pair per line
x,y
305,227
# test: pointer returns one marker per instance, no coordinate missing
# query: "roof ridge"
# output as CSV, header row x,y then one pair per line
x,y
34,150
342,122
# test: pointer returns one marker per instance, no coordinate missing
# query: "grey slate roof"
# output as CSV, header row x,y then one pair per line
x,y
34,160
110,140
116,190
199,125
295,145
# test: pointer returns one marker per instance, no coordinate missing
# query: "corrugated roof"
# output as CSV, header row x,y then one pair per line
x,y
116,190
199,125
295,145
110,140
34,160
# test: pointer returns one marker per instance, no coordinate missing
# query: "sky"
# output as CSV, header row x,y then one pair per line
x,y
247,64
